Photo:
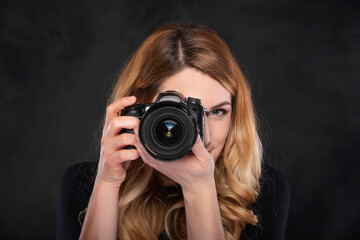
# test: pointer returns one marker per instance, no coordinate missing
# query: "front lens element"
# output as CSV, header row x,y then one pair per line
x,y
168,132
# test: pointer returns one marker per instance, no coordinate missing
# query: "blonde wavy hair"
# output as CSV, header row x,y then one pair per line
x,y
147,209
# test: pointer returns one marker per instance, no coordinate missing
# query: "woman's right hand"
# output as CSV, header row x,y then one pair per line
x,y
113,158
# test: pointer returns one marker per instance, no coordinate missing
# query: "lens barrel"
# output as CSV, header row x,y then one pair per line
x,y
168,131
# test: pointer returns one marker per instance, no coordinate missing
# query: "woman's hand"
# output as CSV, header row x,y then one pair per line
x,y
102,213
195,174
113,158
191,171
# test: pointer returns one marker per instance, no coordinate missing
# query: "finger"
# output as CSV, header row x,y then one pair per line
x,y
114,108
199,150
119,123
122,140
119,157
145,156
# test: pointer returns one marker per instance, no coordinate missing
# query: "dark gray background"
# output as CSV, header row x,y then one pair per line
x,y
302,58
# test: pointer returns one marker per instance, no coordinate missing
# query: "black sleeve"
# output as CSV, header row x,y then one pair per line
x,y
271,207
75,190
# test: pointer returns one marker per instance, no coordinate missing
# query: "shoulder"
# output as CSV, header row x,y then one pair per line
x,y
81,168
79,179
273,183
271,206
74,194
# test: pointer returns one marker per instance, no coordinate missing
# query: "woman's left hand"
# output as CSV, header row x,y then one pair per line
x,y
191,171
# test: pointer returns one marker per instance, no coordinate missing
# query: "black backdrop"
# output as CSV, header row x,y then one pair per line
x,y
302,58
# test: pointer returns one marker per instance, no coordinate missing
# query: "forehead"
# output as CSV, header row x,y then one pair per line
x,y
194,83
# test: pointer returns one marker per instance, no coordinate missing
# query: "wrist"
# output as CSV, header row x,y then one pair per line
x,y
203,218
102,212
104,186
109,179
205,187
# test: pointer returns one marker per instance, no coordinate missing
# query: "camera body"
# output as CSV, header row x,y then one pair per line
x,y
168,127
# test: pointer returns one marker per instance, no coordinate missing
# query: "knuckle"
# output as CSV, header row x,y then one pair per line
x,y
115,123
136,154
127,139
109,108
121,155
107,160
124,138
112,158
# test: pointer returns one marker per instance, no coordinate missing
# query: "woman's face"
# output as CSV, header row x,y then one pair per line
x,y
194,83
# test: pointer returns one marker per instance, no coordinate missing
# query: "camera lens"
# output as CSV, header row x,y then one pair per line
x,y
168,132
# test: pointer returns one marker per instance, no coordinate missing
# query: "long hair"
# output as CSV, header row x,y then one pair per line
x,y
146,209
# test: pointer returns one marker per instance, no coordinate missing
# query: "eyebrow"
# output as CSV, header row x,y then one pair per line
x,y
220,105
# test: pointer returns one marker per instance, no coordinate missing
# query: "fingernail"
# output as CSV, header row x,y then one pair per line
x,y
136,131
132,98
139,146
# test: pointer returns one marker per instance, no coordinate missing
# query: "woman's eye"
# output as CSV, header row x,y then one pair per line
x,y
219,112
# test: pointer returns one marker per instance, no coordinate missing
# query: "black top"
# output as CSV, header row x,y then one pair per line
x,y
271,206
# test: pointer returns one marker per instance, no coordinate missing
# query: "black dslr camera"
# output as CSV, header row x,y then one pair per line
x,y
168,128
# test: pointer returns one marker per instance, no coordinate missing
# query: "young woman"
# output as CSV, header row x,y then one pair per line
x,y
220,190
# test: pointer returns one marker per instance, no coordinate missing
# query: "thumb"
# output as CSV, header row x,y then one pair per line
x,y
199,150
